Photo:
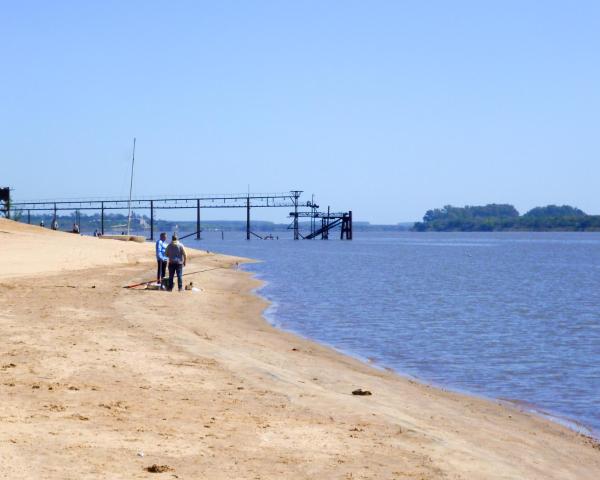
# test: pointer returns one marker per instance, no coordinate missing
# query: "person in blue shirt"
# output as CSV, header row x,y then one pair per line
x,y
161,258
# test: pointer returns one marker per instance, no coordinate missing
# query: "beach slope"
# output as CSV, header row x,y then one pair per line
x,y
98,381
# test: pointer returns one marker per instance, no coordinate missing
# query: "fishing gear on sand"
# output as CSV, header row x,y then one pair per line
x,y
184,275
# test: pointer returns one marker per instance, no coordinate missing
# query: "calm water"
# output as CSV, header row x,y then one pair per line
x,y
506,315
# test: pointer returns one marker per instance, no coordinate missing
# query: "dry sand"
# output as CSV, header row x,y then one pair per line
x,y
97,381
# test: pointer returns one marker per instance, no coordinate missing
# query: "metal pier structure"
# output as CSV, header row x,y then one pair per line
x,y
5,201
329,221
246,201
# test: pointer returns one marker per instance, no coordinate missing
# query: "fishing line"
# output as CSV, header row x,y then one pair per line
x,y
184,275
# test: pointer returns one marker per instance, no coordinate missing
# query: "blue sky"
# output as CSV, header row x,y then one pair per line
x,y
385,108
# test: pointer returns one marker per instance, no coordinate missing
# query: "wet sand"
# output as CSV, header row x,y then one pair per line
x,y
98,381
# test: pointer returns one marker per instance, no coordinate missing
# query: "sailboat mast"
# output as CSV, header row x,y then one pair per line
x,y
131,188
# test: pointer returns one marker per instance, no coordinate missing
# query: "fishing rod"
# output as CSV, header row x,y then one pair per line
x,y
185,274
189,235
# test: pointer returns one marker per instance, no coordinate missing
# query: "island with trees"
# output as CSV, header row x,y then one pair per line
x,y
504,217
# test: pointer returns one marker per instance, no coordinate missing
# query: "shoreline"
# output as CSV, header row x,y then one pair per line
x,y
518,406
101,382
521,405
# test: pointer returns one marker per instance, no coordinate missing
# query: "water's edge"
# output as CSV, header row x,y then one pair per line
x,y
269,316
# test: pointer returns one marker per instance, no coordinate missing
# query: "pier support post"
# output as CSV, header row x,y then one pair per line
x,y
6,194
248,218
29,217
151,219
349,231
102,218
198,219
346,226
295,196
325,234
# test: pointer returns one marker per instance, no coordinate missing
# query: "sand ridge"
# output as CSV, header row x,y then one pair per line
x,y
33,250
98,381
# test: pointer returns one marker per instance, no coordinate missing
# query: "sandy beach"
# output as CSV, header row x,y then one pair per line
x,y
98,381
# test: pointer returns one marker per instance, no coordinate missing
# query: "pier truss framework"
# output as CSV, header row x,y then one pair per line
x,y
245,201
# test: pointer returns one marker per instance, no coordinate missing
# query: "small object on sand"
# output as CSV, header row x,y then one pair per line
x,y
140,454
158,468
191,287
360,391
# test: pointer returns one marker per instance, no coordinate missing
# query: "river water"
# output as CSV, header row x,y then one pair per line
x,y
513,316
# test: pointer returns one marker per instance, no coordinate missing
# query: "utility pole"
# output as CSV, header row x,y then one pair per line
x,y
131,188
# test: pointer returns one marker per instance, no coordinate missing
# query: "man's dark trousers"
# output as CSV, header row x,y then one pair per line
x,y
161,271
175,267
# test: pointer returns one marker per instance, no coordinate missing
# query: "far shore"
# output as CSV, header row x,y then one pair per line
x,y
99,381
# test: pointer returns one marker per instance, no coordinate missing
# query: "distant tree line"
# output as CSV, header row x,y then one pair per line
x,y
505,217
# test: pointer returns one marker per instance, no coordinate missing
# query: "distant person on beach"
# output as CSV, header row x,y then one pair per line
x,y
161,258
42,224
75,228
177,260
54,224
